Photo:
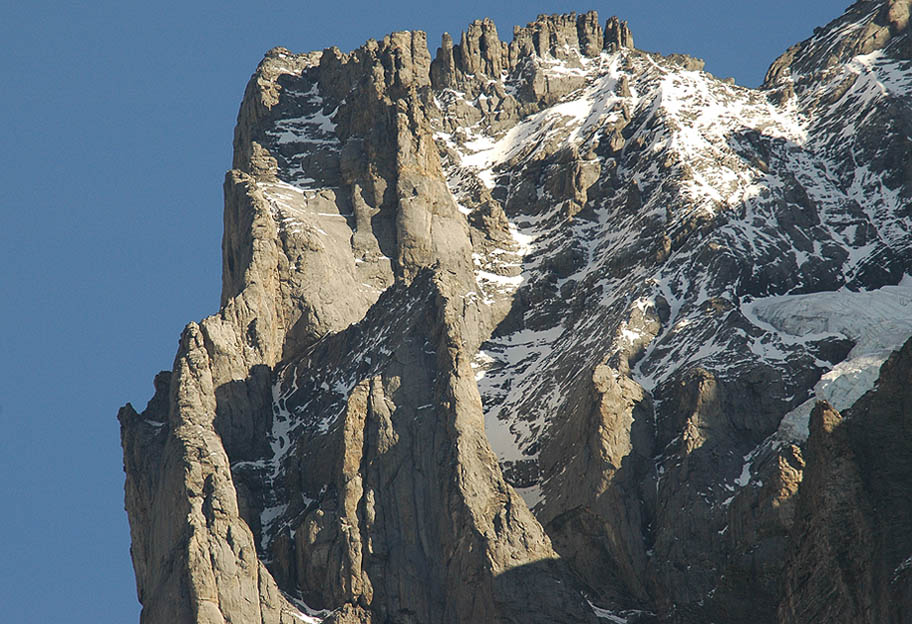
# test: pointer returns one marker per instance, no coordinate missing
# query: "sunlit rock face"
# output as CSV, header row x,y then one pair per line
x,y
534,331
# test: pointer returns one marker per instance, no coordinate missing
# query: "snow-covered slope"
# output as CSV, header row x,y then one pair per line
x,y
743,189
669,222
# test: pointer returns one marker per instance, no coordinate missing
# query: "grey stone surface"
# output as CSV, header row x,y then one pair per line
x,y
441,388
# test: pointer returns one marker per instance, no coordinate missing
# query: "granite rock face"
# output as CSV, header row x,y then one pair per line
x,y
534,331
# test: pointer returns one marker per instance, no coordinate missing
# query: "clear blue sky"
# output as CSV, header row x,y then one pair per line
x,y
116,131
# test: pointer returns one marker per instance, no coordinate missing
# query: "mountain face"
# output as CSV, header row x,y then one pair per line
x,y
553,330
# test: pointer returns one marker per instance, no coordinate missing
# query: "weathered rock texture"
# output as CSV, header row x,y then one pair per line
x,y
851,556
532,331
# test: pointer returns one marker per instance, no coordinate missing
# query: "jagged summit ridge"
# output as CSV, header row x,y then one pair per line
x,y
481,52
532,331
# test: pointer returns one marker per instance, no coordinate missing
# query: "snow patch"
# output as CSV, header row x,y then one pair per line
x,y
878,321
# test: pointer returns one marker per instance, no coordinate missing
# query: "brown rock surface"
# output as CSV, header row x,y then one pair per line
x,y
490,342
442,537
852,544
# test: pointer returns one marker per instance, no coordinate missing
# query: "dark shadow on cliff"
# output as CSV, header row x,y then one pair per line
x,y
851,550
523,595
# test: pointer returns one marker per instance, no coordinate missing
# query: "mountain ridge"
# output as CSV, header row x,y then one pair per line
x,y
571,269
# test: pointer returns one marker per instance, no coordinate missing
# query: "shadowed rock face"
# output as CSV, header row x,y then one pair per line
x,y
851,543
532,331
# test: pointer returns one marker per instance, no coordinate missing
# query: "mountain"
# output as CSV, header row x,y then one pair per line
x,y
554,330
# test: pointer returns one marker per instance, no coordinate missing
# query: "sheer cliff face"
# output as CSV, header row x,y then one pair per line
x,y
533,332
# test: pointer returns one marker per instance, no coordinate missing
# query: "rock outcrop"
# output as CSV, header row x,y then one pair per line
x,y
850,561
533,331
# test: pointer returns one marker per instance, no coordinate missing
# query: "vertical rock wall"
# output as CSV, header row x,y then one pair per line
x,y
321,442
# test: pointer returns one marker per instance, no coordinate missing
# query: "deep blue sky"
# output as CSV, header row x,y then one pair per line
x,y
116,131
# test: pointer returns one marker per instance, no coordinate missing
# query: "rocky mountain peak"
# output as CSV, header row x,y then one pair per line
x,y
617,34
561,36
866,27
534,332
